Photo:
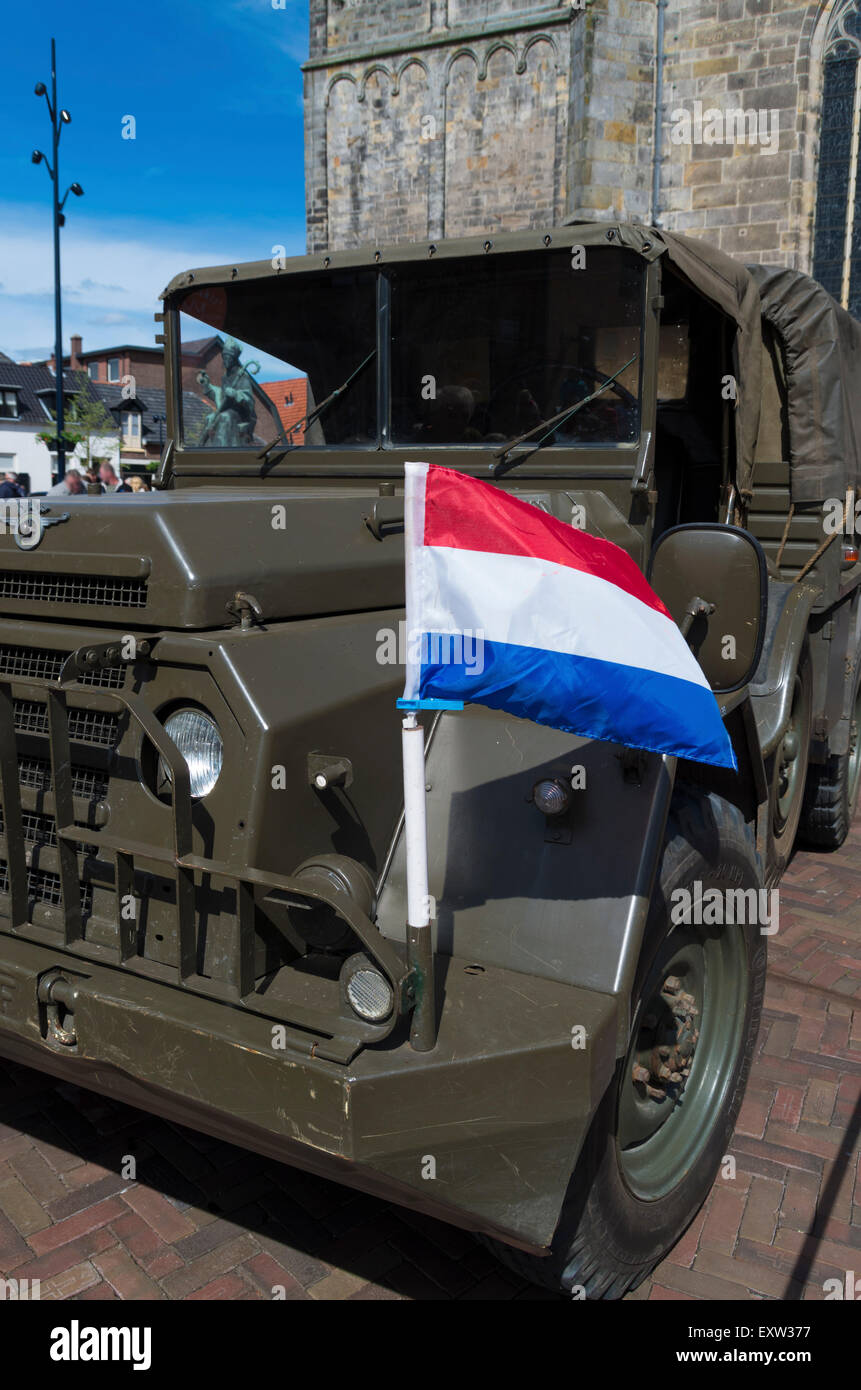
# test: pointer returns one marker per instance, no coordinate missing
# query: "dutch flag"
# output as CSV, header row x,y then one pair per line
x,y
511,608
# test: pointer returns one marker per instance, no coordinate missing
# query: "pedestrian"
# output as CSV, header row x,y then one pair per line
x,y
138,484
10,486
91,481
70,486
109,479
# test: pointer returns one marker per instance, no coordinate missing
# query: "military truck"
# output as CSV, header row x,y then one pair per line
x,y
203,870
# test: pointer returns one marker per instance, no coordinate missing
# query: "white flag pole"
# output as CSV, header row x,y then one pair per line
x,y
419,941
415,822
419,930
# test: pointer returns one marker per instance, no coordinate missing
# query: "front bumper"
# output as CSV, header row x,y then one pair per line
x,y
483,1131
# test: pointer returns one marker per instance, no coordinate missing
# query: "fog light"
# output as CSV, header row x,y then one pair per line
x,y
370,994
551,797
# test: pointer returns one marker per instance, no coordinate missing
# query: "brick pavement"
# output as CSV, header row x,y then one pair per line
x,y
204,1220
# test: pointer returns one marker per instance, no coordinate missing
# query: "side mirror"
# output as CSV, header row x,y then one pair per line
x,y
713,580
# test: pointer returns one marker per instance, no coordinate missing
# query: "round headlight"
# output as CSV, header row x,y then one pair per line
x,y
198,740
370,994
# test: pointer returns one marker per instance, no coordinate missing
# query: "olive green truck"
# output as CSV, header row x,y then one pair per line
x,y
202,878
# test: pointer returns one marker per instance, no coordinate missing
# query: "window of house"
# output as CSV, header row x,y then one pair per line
x,y
113,369
8,404
93,371
837,236
132,425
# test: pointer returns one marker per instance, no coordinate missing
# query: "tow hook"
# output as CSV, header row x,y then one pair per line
x,y
59,995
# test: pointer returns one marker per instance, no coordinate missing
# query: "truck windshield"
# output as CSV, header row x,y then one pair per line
x,y
257,357
480,351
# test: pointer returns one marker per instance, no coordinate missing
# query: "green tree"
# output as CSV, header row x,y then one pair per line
x,y
88,422
95,425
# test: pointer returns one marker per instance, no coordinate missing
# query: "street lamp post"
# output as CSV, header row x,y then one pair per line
x,y
59,118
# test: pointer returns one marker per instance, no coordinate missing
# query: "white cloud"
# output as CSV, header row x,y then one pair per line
x,y
112,273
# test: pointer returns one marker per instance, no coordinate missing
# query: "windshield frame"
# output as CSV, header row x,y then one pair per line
x,y
386,459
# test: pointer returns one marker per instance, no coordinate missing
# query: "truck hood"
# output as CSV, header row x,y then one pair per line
x,y
177,559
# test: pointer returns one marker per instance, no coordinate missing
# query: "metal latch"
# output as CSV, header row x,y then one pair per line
x,y
245,610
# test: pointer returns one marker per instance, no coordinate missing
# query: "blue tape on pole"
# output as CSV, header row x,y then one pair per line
x,y
430,704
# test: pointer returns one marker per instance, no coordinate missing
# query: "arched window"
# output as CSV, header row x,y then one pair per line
x,y
837,240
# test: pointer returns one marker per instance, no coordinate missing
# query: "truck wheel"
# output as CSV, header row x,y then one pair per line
x,y
787,774
832,789
663,1127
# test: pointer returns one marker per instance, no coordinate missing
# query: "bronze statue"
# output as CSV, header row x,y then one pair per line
x,y
232,422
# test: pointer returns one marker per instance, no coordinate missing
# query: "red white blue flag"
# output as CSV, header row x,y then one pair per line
x,y
512,608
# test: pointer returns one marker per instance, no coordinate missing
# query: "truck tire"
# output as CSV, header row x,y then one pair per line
x,y
831,794
787,772
644,1172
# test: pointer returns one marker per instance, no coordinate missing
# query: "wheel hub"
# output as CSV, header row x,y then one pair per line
x,y
667,1042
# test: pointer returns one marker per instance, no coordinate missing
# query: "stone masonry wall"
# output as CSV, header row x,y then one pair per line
x,y
431,118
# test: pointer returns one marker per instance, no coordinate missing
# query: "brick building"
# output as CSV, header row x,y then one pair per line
x,y
430,118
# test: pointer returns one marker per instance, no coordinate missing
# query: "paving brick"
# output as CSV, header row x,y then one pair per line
x,y
20,1206
720,1229
47,1265
80,1225
337,1285
166,1221
71,1283
786,1109
227,1286
193,1276
36,1175
819,1102
759,1221
269,1275
117,1267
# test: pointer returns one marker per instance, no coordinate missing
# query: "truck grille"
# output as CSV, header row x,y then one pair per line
x,y
45,663
40,830
96,590
44,887
85,726
87,782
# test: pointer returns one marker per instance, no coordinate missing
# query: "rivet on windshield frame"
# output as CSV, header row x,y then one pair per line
x,y
378,255
234,272
488,246
647,246
431,249
190,277
547,240
326,262
611,233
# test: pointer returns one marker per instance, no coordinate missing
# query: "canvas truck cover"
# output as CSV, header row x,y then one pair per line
x,y
821,346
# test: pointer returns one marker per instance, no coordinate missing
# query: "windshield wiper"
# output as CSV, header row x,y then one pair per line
x,y
318,410
551,425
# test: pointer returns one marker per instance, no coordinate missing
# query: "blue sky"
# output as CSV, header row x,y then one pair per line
x,y
214,174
